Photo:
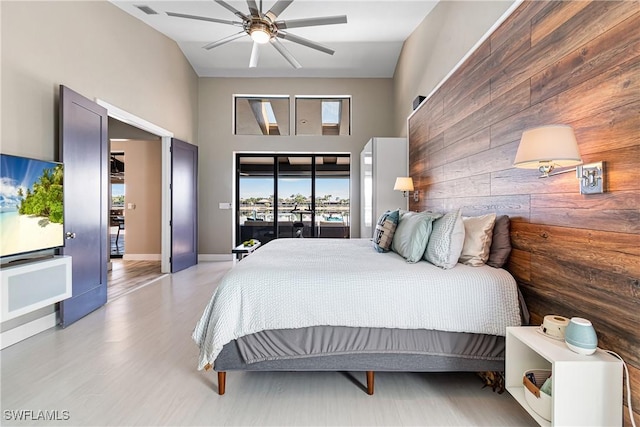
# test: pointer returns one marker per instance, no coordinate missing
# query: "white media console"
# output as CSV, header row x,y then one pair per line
x,y
32,285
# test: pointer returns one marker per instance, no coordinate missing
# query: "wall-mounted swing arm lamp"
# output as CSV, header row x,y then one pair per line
x,y
547,147
405,184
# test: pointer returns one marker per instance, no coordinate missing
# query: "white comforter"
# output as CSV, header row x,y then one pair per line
x,y
295,283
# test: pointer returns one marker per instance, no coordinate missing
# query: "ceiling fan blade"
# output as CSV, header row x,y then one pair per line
x,y
204,18
253,8
224,40
255,54
284,52
311,22
305,42
232,10
277,8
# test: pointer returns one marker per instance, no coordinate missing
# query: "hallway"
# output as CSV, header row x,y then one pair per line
x,y
126,276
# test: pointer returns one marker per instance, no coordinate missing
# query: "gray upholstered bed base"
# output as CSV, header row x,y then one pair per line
x,y
412,351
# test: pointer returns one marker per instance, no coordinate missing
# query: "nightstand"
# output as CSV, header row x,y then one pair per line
x,y
241,250
587,390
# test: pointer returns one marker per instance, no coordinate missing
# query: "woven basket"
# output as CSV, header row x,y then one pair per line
x,y
539,401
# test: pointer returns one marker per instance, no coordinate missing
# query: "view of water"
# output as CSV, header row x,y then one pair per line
x,y
8,218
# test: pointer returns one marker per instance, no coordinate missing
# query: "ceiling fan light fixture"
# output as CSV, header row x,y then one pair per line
x,y
260,33
264,28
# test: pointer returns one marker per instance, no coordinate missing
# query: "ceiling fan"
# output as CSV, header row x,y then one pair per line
x,y
265,28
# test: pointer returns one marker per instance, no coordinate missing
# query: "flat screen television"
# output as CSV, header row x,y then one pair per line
x,y
31,205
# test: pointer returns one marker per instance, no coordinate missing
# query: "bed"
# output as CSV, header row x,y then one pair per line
x,y
338,305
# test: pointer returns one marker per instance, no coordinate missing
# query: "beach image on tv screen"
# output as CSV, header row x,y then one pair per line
x,y
31,205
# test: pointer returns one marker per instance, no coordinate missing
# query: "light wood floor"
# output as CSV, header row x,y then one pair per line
x,y
133,362
126,276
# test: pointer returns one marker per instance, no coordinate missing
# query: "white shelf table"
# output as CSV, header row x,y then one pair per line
x,y
587,390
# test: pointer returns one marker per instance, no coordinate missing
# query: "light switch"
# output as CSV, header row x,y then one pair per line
x,y
224,205
131,205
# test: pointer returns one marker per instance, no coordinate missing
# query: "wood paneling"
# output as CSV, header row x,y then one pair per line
x,y
575,62
617,46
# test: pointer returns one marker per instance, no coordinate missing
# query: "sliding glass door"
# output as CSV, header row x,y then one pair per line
x,y
292,196
295,196
255,207
332,201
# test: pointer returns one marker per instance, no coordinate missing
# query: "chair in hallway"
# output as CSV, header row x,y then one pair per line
x,y
120,221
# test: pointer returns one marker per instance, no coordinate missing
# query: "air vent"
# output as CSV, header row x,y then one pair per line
x,y
146,9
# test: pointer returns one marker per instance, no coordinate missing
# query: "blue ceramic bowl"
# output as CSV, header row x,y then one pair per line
x,y
580,336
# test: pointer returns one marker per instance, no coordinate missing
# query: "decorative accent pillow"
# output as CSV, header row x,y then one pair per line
x,y
501,242
478,234
412,235
385,229
446,241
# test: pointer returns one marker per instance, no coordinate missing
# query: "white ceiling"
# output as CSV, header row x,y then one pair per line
x,y
368,45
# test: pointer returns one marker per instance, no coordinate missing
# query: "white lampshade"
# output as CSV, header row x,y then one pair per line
x,y
554,145
403,183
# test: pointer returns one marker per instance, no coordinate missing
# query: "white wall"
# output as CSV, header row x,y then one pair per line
x,y
372,116
97,50
436,46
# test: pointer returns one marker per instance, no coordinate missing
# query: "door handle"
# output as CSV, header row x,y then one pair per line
x,y
70,235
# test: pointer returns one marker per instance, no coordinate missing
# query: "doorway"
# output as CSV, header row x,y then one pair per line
x,y
116,205
135,201
165,136
292,196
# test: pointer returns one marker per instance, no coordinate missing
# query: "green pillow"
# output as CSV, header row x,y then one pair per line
x,y
412,235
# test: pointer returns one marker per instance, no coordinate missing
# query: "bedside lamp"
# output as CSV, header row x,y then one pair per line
x,y
547,147
405,184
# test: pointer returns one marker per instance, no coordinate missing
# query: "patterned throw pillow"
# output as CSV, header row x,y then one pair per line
x,y
385,229
446,241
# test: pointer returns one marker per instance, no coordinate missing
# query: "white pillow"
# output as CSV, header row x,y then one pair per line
x,y
446,241
412,235
478,233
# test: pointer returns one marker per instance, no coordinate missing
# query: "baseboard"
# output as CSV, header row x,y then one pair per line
x,y
142,257
27,330
215,257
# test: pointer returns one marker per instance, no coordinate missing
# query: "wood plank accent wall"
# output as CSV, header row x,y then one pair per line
x,y
570,62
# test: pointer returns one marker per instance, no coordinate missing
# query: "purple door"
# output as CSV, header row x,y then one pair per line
x,y
184,205
84,149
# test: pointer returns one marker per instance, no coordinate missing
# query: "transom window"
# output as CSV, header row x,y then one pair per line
x,y
323,115
257,115
269,115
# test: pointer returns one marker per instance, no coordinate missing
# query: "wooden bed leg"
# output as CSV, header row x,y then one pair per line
x,y
369,382
222,378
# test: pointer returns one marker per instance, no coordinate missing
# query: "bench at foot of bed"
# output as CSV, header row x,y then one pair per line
x,y
222,379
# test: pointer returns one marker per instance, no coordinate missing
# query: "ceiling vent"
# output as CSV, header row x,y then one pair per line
x,y
146,9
